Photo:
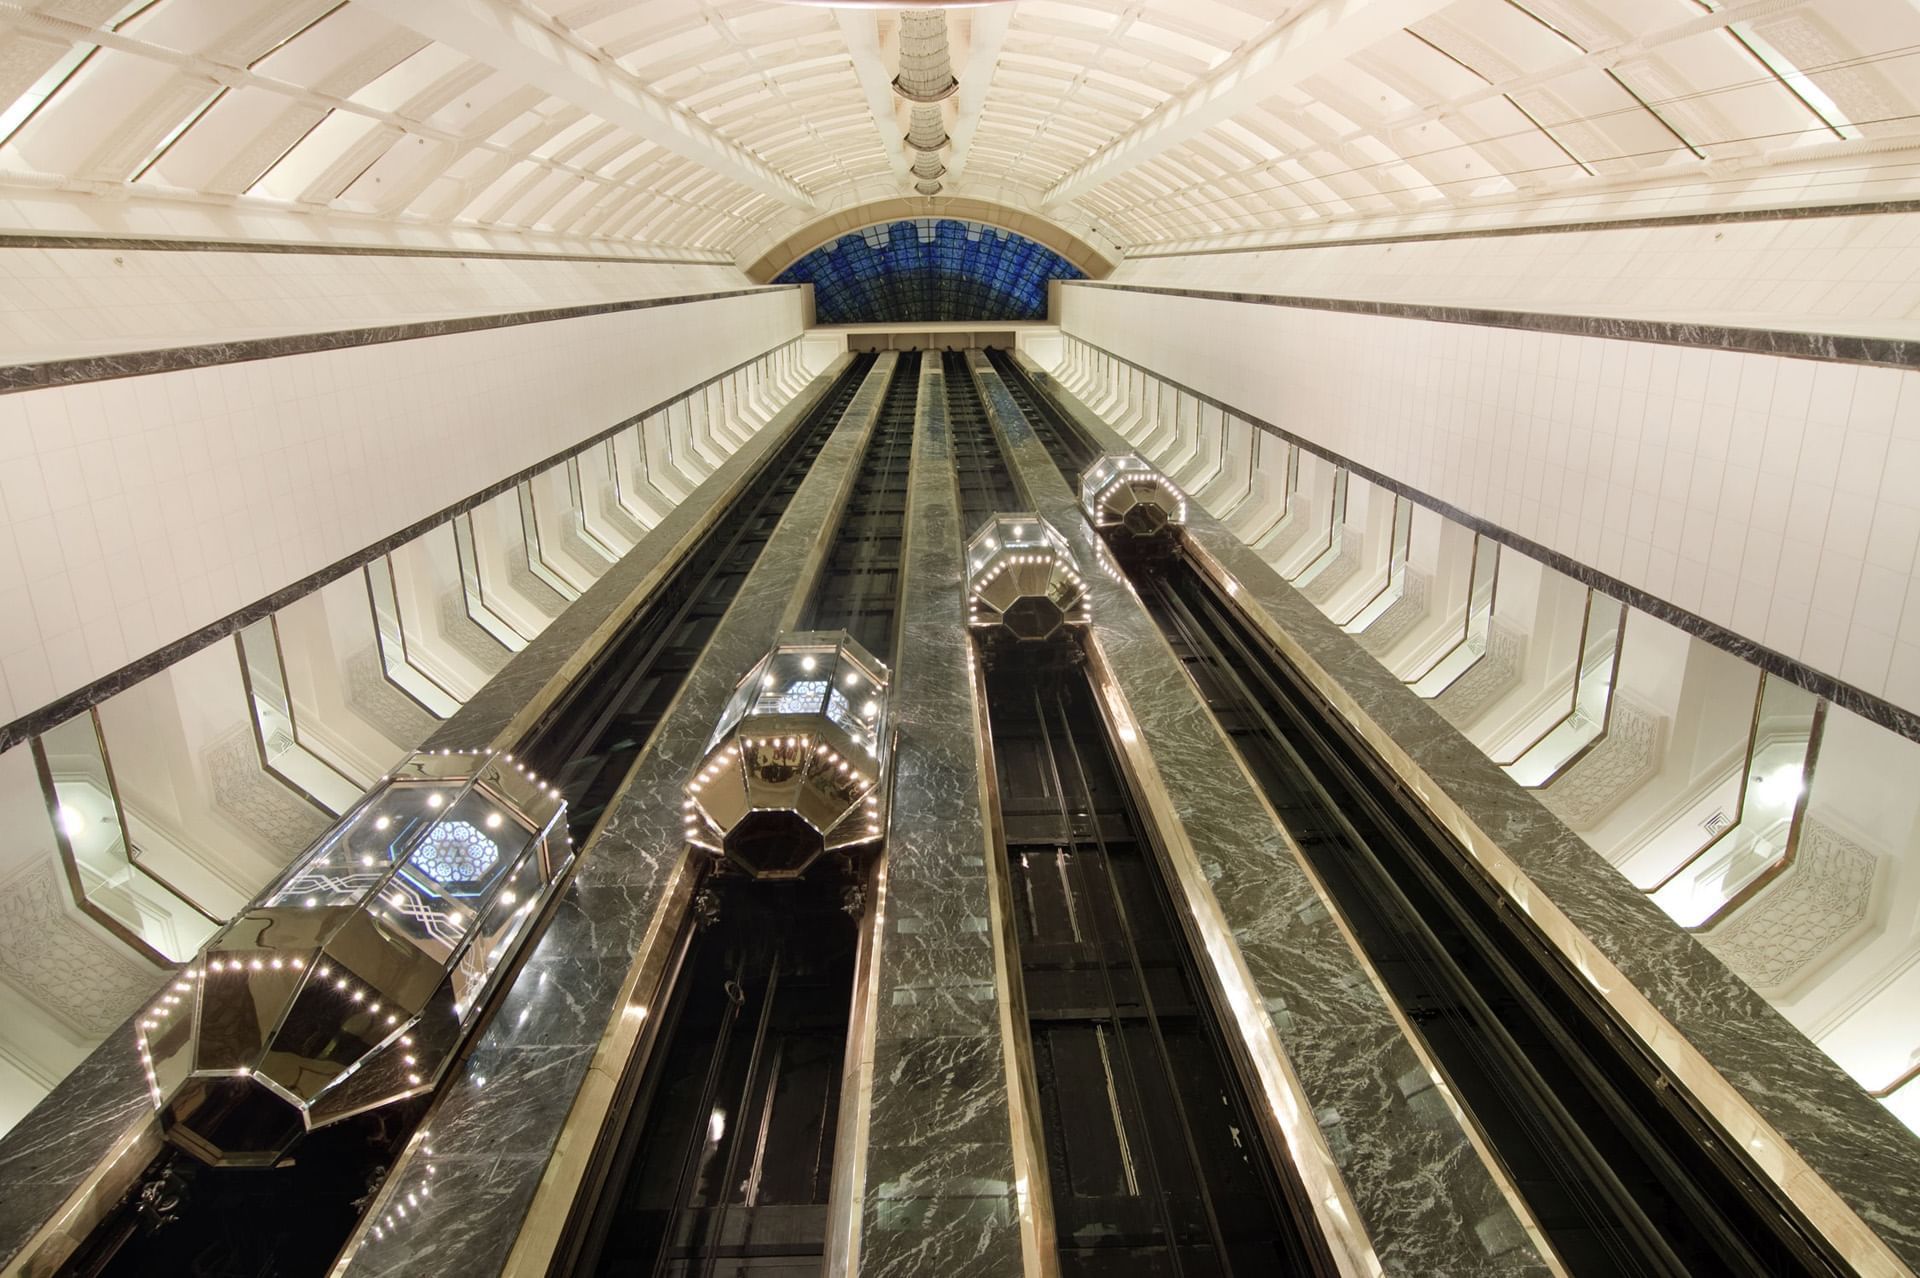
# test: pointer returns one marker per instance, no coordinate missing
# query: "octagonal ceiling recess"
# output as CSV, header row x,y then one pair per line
x,y
726,125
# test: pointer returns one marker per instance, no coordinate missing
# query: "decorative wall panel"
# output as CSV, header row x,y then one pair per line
x,y
1813,909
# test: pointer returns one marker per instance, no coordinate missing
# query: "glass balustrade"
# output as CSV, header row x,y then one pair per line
x,y
103,863
1475,626
1602,634
399,664
1755,838
277,730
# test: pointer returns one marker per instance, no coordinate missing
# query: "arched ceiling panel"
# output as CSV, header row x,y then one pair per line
x,y
730,124
929,270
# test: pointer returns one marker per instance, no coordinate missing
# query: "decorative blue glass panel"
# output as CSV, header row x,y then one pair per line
x,y
930,269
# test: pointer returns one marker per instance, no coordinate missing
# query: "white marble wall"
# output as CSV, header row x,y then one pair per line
x,y
1777,497
135,510
63,302
1857,274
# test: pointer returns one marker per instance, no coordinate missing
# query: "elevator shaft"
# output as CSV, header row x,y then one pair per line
x,y
216,1222
1621,1172
725,1140
1154,1154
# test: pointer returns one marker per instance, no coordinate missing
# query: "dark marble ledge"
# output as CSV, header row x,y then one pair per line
x,y
938,1112
1868,208
55,1149
153,244
1869,706
1839,348
63,708
100,368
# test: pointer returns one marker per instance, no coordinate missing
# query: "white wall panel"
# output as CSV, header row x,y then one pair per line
x,y
136,510
72,302
1777,497
1857,274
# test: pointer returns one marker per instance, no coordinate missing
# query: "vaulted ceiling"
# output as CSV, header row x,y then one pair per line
x,y
729,125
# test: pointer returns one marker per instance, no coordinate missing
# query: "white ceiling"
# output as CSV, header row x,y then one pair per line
x,y
729,124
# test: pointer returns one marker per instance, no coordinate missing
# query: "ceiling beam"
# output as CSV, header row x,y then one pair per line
x,y
987,28
861,30
510,40
1326,34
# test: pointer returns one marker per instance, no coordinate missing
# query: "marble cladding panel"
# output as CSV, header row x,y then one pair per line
x,y
951,1236
1774,1071
561,1003
1415,1179
53,1151
538,673
938,1195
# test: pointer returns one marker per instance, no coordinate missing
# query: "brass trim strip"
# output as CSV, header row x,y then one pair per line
x,y
94,1191
846,1193
1293,1131
1202,911
1039,1239
1791,852
1724,1103
1912,1072
587,1120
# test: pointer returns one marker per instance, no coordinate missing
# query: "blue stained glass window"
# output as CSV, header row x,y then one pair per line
x,y
930,269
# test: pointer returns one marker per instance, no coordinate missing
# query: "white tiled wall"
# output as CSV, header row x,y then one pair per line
x,y
67,302
134,511
1777,497
1828,274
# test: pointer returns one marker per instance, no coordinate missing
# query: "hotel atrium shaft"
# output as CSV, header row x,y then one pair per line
x,y
1036,639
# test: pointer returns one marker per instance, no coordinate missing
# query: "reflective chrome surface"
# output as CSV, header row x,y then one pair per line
x,y
794,769
1123,494
1022,580
351,984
